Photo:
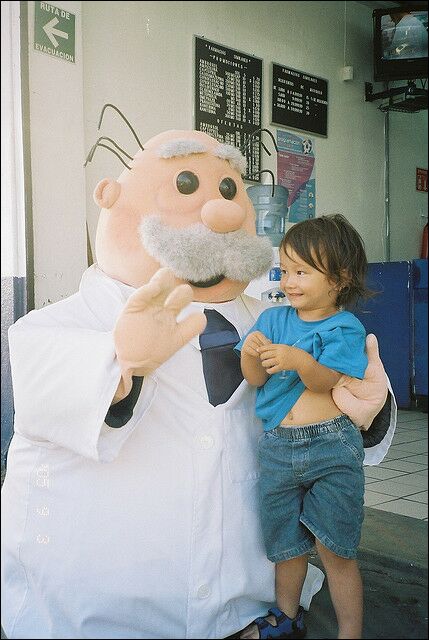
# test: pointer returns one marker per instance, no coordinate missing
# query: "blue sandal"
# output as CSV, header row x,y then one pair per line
x,y
285,627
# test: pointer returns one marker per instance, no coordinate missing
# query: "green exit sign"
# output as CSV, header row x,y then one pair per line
x,y
54,31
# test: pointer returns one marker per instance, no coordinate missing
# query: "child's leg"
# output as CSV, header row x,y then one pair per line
x,y
290,576
345,588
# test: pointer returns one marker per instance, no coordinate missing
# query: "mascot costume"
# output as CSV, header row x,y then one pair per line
x,y
130,506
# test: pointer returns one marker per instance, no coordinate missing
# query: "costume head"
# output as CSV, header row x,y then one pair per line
x,y
182,203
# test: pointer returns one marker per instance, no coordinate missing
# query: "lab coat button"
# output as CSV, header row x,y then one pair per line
x,y
204,591
206,442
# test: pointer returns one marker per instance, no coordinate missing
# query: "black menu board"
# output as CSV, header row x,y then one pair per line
x,y
299,100
228,97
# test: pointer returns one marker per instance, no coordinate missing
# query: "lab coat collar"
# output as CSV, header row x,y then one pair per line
x,y
106,297
232,311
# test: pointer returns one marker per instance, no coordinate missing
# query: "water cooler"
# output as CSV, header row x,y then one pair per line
x,y
270,204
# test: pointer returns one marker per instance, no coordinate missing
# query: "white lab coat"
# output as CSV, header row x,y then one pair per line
x,y
146,531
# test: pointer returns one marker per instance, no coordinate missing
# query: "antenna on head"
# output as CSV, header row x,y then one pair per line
x,y
258,133
258,173
98,143
123,117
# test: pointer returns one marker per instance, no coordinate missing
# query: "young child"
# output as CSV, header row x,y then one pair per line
x,y
311,455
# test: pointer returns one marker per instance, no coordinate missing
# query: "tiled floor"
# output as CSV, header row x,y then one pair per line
x,y
400,483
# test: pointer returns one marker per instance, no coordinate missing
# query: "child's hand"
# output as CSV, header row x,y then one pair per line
x,y
252,343
278,357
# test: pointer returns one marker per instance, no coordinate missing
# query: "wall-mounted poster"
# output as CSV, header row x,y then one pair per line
x,y
228,97
296,170
421,179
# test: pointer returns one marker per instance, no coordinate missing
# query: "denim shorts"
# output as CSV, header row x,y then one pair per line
x,y
312,486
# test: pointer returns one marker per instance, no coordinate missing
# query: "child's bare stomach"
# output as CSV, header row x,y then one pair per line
x,y
311,407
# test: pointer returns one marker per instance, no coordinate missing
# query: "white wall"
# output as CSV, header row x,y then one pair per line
x,y
139,55
12,175
58,178
408,134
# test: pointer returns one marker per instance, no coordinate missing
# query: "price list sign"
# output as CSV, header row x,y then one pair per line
x,y
228,98
299,100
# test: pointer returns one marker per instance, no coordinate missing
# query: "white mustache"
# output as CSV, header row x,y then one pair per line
x,y
197,254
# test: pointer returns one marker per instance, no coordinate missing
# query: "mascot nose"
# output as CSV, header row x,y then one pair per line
x,y
222,216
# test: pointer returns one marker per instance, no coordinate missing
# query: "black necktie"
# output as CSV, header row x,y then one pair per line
x,y
221,366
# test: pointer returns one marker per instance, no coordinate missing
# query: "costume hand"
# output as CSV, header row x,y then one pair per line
x,y
252,343
277,357
363,399
147,332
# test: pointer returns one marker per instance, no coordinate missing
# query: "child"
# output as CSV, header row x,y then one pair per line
x,y
311,455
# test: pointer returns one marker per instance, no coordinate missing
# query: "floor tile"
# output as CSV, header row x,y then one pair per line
x,y
395,489
419,497
395,454
381,474
372,497
406,449
422,473
421,459
410,416
412,435
402,465
405,508
420,446
412,480
399,483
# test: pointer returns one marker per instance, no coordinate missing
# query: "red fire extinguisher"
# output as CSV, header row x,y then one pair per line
x,y
424,249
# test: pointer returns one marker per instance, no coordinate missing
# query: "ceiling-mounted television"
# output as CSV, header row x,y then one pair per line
x,y
400,39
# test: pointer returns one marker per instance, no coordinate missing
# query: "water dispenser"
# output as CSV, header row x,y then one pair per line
x,y
270,204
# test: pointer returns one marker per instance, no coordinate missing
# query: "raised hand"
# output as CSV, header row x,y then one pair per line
x,y
147,332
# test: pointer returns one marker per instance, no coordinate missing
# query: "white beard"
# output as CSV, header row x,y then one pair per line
x,y
197,254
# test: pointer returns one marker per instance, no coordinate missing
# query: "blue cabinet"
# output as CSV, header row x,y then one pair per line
x,y
397,315
420,311
387,315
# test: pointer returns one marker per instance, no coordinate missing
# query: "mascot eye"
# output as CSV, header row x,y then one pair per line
x,y
228,188
187,182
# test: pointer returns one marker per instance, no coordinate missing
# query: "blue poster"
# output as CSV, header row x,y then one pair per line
x,y
296,171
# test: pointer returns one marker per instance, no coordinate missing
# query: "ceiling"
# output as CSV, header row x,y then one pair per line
x,y
405,5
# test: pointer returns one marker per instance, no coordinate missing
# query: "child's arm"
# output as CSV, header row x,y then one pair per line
x,y
315,376
251,365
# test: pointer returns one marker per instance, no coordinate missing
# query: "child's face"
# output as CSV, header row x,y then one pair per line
x,y
307,289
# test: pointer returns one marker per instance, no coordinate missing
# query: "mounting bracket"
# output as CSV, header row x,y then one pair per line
x,y
388,93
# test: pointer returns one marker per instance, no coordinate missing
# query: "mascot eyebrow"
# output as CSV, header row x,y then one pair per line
x,y
184,147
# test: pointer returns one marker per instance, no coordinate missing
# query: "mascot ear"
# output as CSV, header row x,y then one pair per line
x,y
106,193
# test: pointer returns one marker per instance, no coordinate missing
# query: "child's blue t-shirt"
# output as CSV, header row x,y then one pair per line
x,y
337,342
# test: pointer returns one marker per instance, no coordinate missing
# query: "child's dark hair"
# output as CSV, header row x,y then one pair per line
x,y
331,245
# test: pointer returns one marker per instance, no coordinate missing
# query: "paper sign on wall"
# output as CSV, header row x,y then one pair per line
x,y
421,179
296,171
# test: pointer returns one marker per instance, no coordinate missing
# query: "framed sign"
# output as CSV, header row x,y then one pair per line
x,y
421,179
228,97
299,100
